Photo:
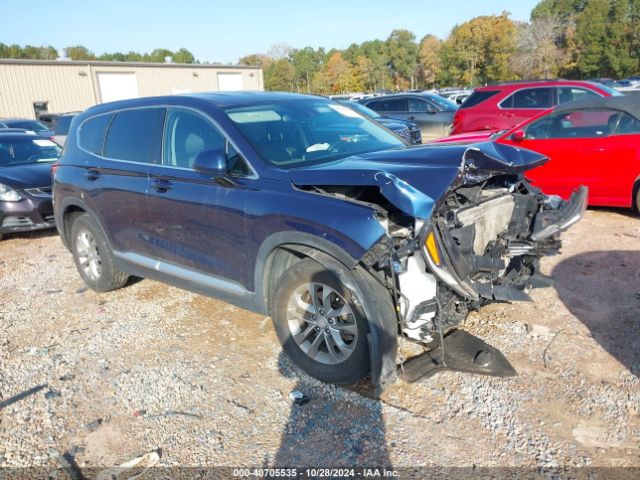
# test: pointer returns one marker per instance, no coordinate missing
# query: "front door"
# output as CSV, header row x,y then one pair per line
x,y
199,221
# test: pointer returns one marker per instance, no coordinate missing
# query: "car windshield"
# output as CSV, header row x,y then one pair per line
x,y
32,125
358,107
443,103
25,150
302,132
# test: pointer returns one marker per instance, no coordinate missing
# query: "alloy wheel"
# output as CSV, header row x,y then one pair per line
x,y
88,255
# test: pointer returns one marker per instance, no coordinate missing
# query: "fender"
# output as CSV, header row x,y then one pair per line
x,y
75,202
377,309
291,239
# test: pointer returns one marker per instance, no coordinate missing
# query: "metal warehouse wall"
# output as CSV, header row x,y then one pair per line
x,y
70,86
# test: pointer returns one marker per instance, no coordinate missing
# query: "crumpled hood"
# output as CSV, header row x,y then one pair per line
x,y
414,179
33,175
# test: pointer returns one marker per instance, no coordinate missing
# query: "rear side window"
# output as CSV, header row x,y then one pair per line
x,y
476,98
92,132
393,105
627,125
574,94
135,135
534,98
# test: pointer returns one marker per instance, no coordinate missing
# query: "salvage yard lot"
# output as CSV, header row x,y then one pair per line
x,y
151,366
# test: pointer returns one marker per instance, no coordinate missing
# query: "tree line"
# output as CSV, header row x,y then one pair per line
x,y
575,39
78,52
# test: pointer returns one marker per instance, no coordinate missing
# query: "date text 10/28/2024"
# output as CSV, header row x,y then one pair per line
x,y
315,472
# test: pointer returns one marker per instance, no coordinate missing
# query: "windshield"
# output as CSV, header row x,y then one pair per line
x,y
20,151
302,132
443,103
358,107
33,125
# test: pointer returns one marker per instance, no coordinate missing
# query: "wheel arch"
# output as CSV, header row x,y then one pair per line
x,y
378,310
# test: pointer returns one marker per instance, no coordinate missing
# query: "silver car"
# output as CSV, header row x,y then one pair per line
x,y
432,113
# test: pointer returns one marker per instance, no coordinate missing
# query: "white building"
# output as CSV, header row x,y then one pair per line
x,y
28,87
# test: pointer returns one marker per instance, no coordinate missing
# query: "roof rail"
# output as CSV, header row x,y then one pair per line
x,y
511,82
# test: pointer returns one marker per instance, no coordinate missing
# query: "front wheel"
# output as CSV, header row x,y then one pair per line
x,y
319,325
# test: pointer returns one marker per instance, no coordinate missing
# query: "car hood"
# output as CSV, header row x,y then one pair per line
x,y
33,175
414,179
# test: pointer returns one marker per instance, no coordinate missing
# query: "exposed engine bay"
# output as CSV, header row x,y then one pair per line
x,y
482,243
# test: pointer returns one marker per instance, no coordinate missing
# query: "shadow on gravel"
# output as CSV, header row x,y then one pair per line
x,y
331,430
49,232
602,289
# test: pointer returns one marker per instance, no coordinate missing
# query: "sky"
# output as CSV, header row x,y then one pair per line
x,y
223,31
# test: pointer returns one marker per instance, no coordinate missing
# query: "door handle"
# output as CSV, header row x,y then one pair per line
x,y
412,118
161,185
510,115
92,175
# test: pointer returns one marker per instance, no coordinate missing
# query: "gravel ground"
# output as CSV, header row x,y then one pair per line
x,y
107,377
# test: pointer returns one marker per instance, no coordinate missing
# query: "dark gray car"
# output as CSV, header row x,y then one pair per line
x,y
432,113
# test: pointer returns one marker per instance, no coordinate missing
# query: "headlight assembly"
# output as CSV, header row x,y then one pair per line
x,y
8,194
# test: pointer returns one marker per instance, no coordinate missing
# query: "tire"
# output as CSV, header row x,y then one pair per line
x,y
636,197
93,257
341,330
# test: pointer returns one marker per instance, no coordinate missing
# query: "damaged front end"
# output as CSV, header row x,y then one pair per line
x,y
460,233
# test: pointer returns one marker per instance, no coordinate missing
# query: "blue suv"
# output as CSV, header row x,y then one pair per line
x,y
298,207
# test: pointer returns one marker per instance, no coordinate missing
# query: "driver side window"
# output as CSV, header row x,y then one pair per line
x,y
186,135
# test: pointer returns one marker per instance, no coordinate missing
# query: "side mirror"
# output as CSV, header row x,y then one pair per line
x,y
431,110
211,162
518,136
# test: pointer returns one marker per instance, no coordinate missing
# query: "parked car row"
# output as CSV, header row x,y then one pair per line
x,y
593,142
55,128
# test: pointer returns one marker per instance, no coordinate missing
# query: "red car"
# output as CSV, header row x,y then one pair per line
x,y
505,105
594,143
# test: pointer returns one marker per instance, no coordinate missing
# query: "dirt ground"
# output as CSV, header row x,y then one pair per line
x,y
103,378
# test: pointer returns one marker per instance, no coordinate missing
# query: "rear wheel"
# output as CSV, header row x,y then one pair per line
x,y
636,197
319,325
93,256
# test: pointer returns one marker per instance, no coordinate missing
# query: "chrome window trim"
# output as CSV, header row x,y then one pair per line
x,y
554,87
253,175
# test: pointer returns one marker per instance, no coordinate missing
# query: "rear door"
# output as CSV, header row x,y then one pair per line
x,y
622,162
198,221
525,103
125,145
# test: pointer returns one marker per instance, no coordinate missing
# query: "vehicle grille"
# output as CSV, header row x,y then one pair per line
x,y
50,218
12,222
39,192
404,133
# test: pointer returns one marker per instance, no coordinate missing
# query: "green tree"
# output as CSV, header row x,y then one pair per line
x,y
306,62
621,61
429,56
78,52
279,75
403,55
591,34
158,55
183,56
479,51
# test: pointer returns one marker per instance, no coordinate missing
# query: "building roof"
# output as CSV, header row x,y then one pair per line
x,y
629,104
98,63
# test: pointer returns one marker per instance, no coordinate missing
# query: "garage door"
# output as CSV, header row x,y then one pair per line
x,y
117,86
228,82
